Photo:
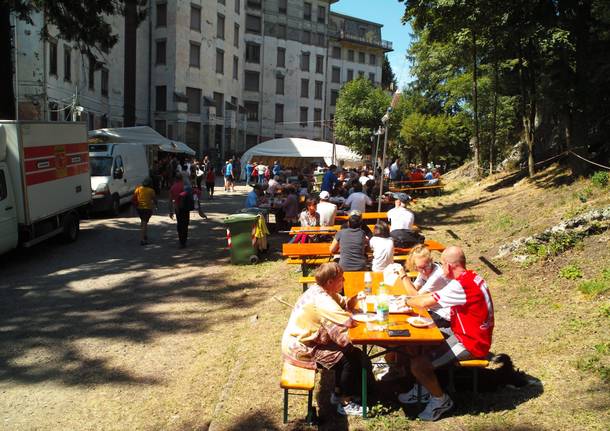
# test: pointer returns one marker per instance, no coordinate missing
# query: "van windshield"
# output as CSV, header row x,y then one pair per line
x,y
100,166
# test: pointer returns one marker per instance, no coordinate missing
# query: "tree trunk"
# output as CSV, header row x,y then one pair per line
x,y
494,119
475,105
528,110
7,92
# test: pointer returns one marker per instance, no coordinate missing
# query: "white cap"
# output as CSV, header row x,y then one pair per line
x,y
324,195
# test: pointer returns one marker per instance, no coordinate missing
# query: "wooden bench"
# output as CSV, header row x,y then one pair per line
x,y
305,281
298,379
438,187
475,365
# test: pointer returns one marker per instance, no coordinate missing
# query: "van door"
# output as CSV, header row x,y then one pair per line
x,y
118,177
9,235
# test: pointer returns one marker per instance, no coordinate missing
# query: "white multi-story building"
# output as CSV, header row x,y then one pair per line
x,y
220,75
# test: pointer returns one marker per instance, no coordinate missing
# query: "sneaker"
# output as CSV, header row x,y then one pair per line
x,y
335,399
350,409
411,396
389,373
436,407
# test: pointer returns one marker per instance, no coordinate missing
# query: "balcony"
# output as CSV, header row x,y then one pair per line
x,y
367,39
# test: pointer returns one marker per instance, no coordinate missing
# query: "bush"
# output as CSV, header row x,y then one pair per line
x,y
570,272
600,179
594,287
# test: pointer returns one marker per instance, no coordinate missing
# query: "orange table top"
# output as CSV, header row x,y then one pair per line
x,y
320,230
354,283
366,216
323,248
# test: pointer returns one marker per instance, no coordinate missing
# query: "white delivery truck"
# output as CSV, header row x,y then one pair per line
x,y
116,171
44,181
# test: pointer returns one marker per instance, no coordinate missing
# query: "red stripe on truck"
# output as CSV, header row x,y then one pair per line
x,y
44,176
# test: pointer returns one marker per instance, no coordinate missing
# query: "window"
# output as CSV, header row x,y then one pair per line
x,y
53,114
281,57
251,140
336,53
372,59
321,40
194,54
90,121
281,31
318,90
219,100
303,116
195,17
253,24
251,110
304,87
306,37
350,55
253,53
3,188
361,57
251,81
254,4
334,95
91,77
160,53
67,63
360,73
317,117
160,127
237,6
319,64
307,11
279,113
105,79
372,77
52,58
161,14
160,98
321,14
193,134
279,85
220,27
220,61
283,6
223,2
236,36
193,103
336,74
305,61
235,67
350,74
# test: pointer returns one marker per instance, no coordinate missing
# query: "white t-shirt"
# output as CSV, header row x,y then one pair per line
x,y
363,180
327,213
358,201
435,282
400,218
383,252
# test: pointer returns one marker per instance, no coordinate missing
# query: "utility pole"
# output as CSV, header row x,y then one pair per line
x,y
386,124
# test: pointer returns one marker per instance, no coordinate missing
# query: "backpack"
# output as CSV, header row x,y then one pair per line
x,y
405,238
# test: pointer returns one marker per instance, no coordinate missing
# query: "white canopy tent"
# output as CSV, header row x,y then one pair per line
x,y
140,135
297,152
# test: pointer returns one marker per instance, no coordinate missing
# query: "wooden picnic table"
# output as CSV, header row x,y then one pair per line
x,y
360,335
366,216
322,249
326,230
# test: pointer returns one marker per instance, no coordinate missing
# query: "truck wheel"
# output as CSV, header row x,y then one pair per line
x,y
254,259
116,206
71,227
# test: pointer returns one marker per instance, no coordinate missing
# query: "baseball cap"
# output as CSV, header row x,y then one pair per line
x,y
354,213
324,195
402,197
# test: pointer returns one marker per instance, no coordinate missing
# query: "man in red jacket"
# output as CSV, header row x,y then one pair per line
x,y
472,323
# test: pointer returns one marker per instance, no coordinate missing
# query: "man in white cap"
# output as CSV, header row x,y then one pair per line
x,y
399,216
327,210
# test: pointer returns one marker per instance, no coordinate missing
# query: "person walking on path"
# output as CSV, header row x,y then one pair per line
x,y
144,200
210,179
178,195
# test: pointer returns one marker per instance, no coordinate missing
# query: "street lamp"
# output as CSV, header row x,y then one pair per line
x,y
385,120
377,133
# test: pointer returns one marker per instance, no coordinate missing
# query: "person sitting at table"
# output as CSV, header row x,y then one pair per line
x,y
317,335
399,216
253,197
330,179
358,200
309,216
291,206
352,244
469,337
327,210
274,185
430,278
382,246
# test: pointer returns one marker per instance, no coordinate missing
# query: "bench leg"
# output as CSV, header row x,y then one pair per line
x,y
309,419
285,405
475,381
451,388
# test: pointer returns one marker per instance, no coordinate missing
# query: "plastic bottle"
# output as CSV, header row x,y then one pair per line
x,y
369,302
383,307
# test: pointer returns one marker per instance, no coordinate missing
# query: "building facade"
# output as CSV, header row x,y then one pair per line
x,y
220,75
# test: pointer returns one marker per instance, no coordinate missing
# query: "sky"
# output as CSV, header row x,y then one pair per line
x,y
388,13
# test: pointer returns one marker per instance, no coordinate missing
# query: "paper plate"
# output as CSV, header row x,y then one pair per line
x,y
364,317
419,322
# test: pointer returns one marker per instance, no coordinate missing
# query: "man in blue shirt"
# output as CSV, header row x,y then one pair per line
x,y
276,168
249,169
330,179
229,176
253,195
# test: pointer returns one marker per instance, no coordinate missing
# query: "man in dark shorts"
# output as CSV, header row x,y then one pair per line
x,y
469,337
352,244
144,199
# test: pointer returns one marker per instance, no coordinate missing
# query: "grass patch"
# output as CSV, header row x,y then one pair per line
x,y
598,285
556,244
600,179
570,272
597,362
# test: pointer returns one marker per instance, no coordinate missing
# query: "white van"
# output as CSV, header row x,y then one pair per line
x,y
116,170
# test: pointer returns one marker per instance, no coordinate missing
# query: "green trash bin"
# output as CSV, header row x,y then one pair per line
x,y
239,237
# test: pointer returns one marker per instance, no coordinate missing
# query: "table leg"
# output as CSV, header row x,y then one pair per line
x,y
364,386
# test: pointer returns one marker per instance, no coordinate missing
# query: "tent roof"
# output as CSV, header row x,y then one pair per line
x,y
141,135
298,147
